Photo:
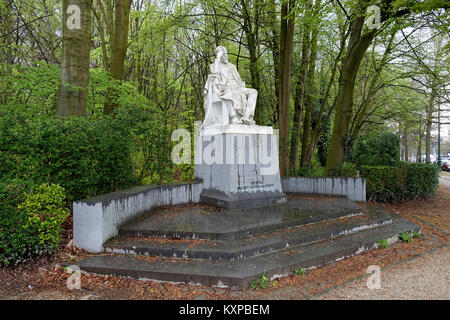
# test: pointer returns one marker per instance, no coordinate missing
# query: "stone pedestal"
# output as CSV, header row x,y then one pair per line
x,y
239,167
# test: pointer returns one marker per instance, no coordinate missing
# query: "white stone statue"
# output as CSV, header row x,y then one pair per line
x,y
227,100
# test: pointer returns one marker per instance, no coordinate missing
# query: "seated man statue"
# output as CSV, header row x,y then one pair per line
x,y
227,100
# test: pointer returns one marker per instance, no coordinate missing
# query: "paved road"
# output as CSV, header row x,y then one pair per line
x,y
444,179
426,277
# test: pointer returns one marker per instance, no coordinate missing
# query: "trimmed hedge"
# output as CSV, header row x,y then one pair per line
x,y
86,157
405,181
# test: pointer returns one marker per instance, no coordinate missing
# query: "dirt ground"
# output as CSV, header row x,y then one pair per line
x,y
417,270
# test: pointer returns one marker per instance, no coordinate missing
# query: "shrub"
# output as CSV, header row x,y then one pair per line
x,y
149,145
380,149
311,172
45,213
405,181
87,157
16,241
30,221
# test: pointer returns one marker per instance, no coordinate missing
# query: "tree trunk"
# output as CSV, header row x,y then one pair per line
x,y
300,94
101,31
274,42
405,143
305,159
286,44
119,50
75,61
317,128
419,148
251,28
9,57
429,122
358,44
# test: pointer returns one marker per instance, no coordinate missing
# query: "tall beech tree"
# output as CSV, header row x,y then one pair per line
x,y
76,26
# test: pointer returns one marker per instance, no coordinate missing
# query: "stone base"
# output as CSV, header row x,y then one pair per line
x,y
239,167
242,200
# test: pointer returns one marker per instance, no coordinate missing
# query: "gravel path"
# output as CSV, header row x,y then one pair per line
x,y
426,277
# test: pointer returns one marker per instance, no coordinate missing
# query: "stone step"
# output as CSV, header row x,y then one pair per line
x,y
239,273
247,247
204,222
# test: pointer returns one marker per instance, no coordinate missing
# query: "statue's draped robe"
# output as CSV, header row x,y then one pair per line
x,y
224,82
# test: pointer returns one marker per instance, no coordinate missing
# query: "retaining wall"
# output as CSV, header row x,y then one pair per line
x,y
98,219
352,188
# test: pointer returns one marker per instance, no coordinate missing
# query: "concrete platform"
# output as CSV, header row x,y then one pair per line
x,y
249,246
239,273
203,222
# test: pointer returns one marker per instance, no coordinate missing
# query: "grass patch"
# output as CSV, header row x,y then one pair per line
x,y
405,237
383,244
261,282
300,272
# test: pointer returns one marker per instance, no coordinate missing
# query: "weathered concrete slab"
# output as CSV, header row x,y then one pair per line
x,y
200,222
242,200
98,219
248,247
352,188
240,273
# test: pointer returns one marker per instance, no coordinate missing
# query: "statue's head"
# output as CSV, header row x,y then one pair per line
x,y
222,53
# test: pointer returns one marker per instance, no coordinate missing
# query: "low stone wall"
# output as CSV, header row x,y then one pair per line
x,y
352,188
98,219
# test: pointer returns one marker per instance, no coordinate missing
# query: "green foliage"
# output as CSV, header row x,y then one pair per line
x,y
312,171
261,282
150,145
45,213
404,181
100,85
30,221
383,243
380,149
346,169
405,237
31,89
87,157
300,272
325,136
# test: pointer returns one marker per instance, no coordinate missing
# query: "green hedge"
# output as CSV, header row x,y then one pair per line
x,y
377,149
405,181
31,220
86,157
